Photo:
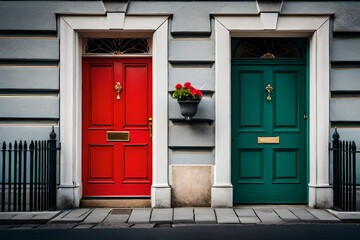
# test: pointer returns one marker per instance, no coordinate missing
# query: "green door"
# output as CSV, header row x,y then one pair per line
x,y
269,131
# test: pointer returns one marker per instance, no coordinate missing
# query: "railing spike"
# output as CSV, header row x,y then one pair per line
x,y
353,146
52,134
4,146
336,135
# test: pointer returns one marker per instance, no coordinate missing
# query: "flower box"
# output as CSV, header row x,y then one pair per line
x,y
188,108
188,98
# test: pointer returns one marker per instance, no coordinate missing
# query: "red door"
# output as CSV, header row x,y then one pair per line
x,y
116,127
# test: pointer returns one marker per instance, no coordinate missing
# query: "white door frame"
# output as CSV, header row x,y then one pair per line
x,y
71,28
317,29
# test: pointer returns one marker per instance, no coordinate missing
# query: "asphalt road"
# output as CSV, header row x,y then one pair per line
x,y
242,232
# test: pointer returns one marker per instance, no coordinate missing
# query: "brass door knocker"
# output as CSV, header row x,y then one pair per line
x,y
118,89
269,88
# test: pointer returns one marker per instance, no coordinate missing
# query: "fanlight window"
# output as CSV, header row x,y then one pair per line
x,y
117,46
267,48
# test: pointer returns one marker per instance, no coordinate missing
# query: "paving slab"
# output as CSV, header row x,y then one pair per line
x,y
323,215
286,215
143,225
125,211
57,226
26,226
183,215
97,215
161,215
85,226
247,216
112,225
74,215
268,216
60,216
23,216
116,218
46,216
204,215
141,215
303,214
6,216
79,213
226,216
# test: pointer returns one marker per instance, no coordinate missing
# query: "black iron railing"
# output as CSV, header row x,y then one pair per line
x,y
29,174
344,173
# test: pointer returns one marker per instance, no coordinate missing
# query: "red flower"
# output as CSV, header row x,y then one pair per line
x,y
196,92
188,85
186,91
199,93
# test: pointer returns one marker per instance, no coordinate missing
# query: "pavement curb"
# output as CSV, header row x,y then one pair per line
x,y
353,217
10,218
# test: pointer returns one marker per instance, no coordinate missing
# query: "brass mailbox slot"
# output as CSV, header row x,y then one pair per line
x,y
117,136
264,140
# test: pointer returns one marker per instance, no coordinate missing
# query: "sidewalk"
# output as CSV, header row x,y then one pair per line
x,y
97,218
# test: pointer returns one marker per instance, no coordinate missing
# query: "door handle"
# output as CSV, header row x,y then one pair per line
x,y
118,89
150,127
269,89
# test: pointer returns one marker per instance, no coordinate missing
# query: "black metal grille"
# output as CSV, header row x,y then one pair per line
x,y
344,173
268,48
118,46
28,175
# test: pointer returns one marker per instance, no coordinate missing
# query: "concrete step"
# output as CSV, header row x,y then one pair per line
x,y
115,203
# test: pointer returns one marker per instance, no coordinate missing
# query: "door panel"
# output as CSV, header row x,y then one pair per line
x,y
136,164
286,95
272,172
286,166
136,95
102,112
101,160
251,166
116,146
250,101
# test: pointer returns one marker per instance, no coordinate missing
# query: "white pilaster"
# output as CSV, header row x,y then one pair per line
x,y
320,194
221,191
67,113
160,189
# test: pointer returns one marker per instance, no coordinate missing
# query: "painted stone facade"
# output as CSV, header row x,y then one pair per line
x,y
39,77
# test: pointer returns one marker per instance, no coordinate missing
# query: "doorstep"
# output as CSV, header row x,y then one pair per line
x,y
115,203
